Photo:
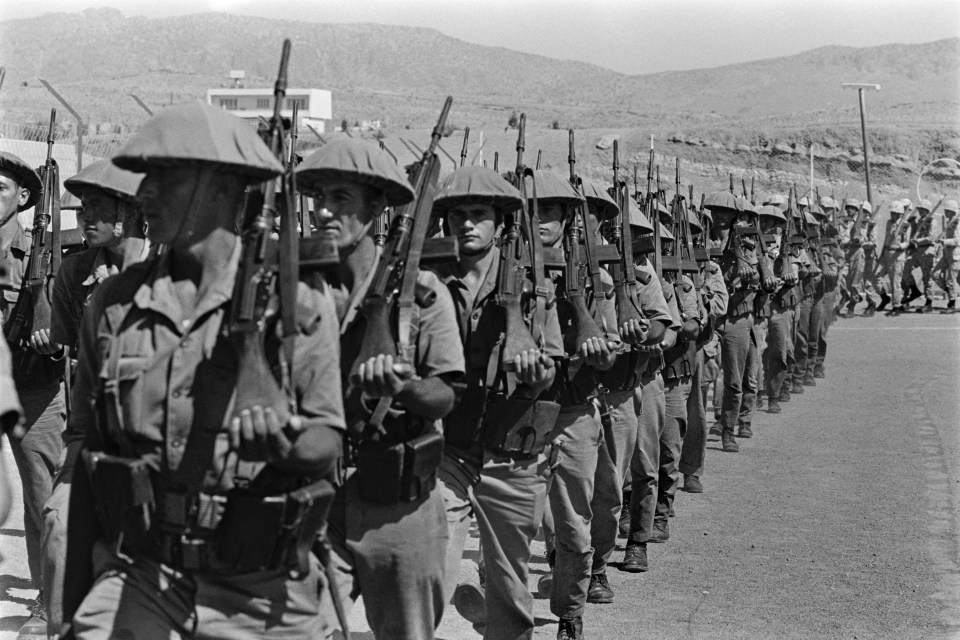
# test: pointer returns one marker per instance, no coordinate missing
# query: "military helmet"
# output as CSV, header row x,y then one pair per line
x,y
776,200
551,188
694,221
867,206
357,161
103,175
719,200
803,202
637,218
476,184
597,196
665,232
25,176
950,205
826,202
924,204
896,207
746,206
770,211
851,203
811,219
198,134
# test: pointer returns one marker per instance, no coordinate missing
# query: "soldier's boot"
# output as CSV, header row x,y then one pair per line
x,y
774,406
661,530
911,295
716,429
819,371
808,380
728,442
760,401
951,307
927,307
796,387
570,629
36,627
545,583
784,395
884,300
692,484
870,310
895,311
469,598
635,558
599,591
745,431
624,525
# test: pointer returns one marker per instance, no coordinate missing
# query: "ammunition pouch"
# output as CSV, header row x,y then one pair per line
x,y
233,534
679,361
624,374
519,428
404,472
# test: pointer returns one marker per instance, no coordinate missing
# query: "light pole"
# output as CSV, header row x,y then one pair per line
x,y
860,87
75,115
142,104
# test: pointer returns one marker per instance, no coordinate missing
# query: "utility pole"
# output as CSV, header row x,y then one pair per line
x,y
860,87
75,115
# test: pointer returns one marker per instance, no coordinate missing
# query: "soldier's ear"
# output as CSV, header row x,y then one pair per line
x,y
23,194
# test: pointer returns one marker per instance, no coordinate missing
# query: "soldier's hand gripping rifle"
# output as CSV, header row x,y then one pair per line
x,y
394,282
266,271
32,310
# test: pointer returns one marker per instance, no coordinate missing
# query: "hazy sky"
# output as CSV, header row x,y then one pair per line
x,y
631,36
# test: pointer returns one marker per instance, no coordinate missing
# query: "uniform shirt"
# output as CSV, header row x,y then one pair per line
x,y
741,299
437,351
481,323
898,241
175,373
714,291
31,371
927,230
951,238
71,292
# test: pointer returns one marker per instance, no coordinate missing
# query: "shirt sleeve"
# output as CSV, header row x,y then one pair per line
x,y
317,359
609,311
64,321
652,302
552,336
671,299
716,292
439,348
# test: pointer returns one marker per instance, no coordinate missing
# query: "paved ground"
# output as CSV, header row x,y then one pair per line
x,y
839,519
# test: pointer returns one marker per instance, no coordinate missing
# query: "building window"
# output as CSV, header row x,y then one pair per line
x,y
230,104
263,103
300,102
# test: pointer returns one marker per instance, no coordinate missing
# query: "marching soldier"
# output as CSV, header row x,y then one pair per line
x,y
186,494
114,236
487,468
893,257
811,309
923,254
388,526
38,366
950,246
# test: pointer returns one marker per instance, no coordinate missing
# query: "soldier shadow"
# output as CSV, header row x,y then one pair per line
x,y
354,635
13,533
13,623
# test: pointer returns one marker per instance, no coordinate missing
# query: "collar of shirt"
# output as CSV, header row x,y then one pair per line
x,y
158,293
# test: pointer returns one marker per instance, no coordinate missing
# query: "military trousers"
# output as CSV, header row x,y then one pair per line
x,y
645,464
892,281
507,498
616,452
54,542
394,556
739,357
946,271
37,455
778,356
921,260
755,374
801,343
136,597
855,265
573,466
814,328
675,393
694,450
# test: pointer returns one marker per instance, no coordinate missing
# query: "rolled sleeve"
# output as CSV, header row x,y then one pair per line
x,y
652,302
439,348
317,360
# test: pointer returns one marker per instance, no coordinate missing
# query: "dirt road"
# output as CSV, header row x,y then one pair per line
x,y
839,519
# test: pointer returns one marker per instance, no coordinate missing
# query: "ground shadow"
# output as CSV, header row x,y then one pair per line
x,y
14,533
13,623
8,582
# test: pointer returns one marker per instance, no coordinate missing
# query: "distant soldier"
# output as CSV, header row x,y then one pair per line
x,y
946,267
194,508
38,366
852,243
388,527
810,320
923,254
893,257
833,278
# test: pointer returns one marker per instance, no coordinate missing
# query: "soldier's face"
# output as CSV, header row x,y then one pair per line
x,y
12,196
165,197
551,223
771,225
347,210
474,225
98,217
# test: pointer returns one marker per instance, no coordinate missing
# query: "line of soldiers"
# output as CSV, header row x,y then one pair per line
x,y
234,470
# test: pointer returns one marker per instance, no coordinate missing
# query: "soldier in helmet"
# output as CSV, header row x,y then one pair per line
x,y
946,267
388,526
922,256
893,257
185,489
483,471
113,231
38,365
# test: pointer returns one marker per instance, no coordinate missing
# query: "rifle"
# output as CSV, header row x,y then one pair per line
x,y
653,215
623,272
539,155
32,309
394,281
586,230
267,268
466,143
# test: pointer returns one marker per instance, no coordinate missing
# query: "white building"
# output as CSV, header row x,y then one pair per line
x,y
315,106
